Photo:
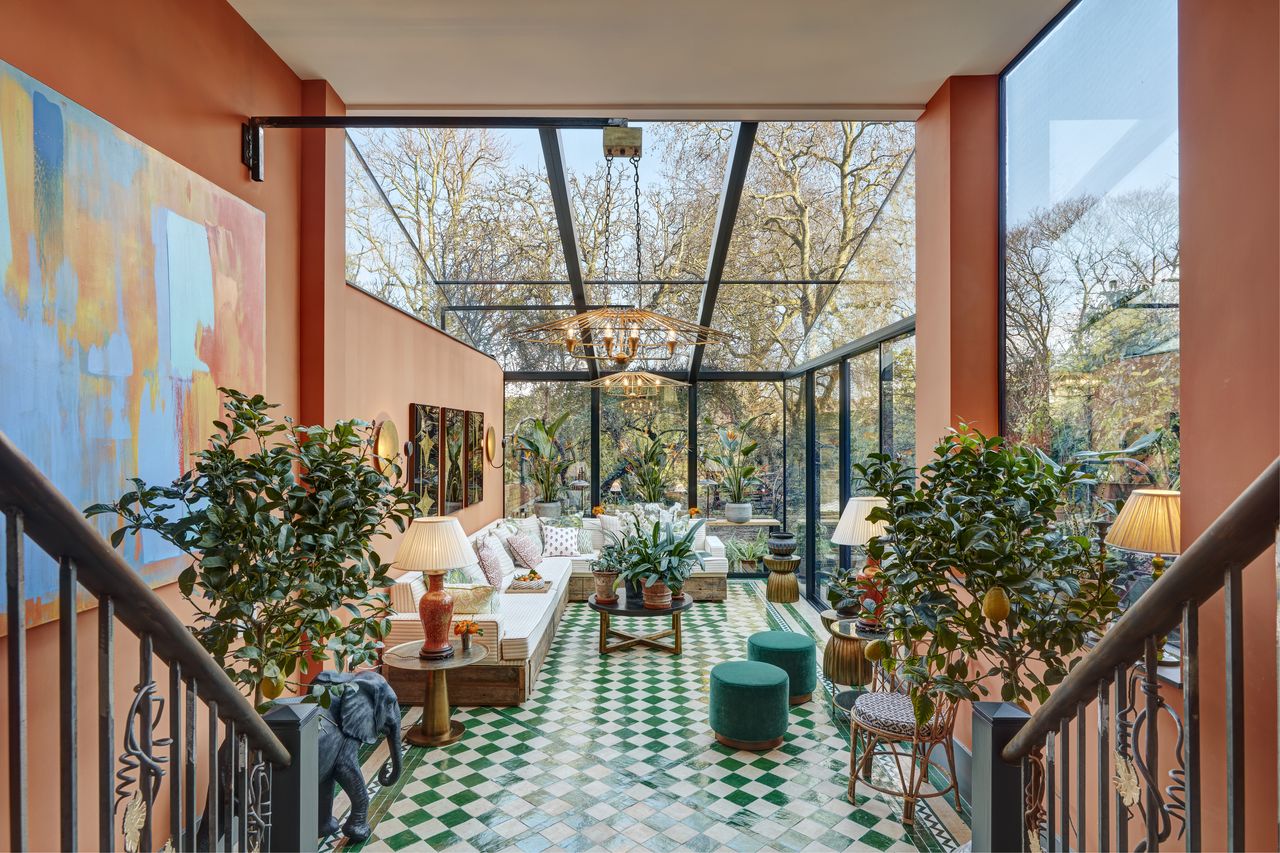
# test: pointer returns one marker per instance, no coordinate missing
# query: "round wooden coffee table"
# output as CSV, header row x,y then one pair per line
x,y
637,610
435,728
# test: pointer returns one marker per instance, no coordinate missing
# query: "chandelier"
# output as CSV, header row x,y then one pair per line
x,y
635,384
621,334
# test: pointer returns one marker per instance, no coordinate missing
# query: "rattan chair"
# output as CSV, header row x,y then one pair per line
x,y
882,722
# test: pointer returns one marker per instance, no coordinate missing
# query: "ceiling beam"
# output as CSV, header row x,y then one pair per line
x,y
558,179
735,176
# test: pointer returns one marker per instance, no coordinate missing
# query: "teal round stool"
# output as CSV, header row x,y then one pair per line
x,y
795,653
749,705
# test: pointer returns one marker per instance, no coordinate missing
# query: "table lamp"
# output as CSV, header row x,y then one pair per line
x,y
854,529
435,546
1150,522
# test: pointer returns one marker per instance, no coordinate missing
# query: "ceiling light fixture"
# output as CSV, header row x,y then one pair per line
x,y
635,384
620,335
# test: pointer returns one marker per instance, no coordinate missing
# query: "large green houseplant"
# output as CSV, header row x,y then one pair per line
x,y
738,474
650,467
280,523
657,562
980,582
539,445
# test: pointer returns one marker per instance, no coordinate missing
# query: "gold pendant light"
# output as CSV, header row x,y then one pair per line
x,y
620,335
635,384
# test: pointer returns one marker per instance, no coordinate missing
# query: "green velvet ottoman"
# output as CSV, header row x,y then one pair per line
x,y
792,652
749,704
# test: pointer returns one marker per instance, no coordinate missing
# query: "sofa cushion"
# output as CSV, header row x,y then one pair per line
x,y
560,542
473,599
531,527
526,616
525,551
495,562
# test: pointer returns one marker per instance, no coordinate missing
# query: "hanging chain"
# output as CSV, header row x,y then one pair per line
x,y
635,166
608,206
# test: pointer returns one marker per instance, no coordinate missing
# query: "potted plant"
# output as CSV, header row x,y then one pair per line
x,y
738,475
538,443
607,567
465,629
280,523
979,581
747,554
658,562
650,467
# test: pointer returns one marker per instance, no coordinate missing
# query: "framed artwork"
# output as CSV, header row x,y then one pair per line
x,y
424,462
131,288
475,458
453,467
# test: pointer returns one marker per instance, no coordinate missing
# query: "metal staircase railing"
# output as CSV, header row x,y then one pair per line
x,y
129,780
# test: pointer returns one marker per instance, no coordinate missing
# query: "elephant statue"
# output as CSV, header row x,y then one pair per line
x,y
366,710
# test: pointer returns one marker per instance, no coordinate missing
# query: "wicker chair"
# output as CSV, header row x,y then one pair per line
x,y
883,722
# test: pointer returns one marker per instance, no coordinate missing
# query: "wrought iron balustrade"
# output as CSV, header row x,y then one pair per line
x,y
160,739
1140,804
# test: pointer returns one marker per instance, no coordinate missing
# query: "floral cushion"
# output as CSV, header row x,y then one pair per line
x,y
493,561
526,552
560,542
475,598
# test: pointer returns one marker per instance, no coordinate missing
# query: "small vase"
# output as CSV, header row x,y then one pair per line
x,y
466,643
657,596
605,592
635,592
782,544
435,609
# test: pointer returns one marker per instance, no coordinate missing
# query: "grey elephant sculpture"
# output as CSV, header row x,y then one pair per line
x,y
365,711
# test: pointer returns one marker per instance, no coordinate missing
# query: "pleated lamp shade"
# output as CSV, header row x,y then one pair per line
x,y
434,546
1149,522
854,529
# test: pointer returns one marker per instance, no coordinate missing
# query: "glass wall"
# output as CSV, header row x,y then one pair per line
x,y
726,405
826,460
548,401
644,448
1091,259
796,451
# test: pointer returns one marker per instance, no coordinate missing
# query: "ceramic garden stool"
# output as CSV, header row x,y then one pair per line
x,y
749,704
793,652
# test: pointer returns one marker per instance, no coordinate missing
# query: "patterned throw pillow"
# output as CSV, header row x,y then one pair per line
x,y
525,551
560,542
531,527
478,598
492,555
586,542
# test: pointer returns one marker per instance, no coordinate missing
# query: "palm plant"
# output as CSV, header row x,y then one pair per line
x,y
538,443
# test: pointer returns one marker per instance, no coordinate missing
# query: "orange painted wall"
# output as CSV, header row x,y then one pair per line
x,y
402,361
180,77
1229,125
957,260
957,256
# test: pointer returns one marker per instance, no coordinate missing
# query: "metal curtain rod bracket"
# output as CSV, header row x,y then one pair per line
x,y
252,130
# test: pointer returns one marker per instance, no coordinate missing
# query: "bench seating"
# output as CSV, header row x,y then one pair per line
x,y
519,634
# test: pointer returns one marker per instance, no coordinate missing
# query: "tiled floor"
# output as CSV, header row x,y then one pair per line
x,y
614,753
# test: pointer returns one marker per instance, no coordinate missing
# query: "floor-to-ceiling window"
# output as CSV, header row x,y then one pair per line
x,y
796,450
1091,240
825,456
527,401
643,448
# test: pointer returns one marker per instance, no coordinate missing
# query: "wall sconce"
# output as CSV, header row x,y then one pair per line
x,y
491,447
386,442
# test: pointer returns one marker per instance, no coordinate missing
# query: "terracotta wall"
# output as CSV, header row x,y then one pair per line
x,y
402,361
1229,158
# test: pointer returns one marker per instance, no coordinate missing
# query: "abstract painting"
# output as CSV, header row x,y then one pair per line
x,y
475,458
424,462
455,437
130,289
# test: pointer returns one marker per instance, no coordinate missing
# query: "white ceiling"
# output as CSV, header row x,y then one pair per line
x,y
646,58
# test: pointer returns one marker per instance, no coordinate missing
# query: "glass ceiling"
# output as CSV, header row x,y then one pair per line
x,y
442,222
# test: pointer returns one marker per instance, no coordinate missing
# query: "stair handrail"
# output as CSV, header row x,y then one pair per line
x,y
60,529
1242,532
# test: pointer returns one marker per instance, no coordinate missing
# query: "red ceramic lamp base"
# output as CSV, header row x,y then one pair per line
x,y
435,609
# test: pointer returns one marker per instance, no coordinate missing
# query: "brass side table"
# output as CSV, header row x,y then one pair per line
x,y
844,660
782,586
434,728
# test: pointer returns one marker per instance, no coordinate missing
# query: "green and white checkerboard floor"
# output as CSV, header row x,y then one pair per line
x,y
613,752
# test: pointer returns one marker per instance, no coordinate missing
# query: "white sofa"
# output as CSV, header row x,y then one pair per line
x,y
519,631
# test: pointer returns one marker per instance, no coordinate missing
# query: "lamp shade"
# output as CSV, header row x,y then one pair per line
x,y
1150,522
854,529
434,546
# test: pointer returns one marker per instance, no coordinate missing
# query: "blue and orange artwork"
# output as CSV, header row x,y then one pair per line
x,y
130,289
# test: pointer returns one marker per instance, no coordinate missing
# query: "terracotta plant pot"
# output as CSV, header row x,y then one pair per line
x,y
747,565
782,544
605,581
657,596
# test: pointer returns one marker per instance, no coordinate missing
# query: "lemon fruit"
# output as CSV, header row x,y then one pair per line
x,y
876,650
995,604
273,687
